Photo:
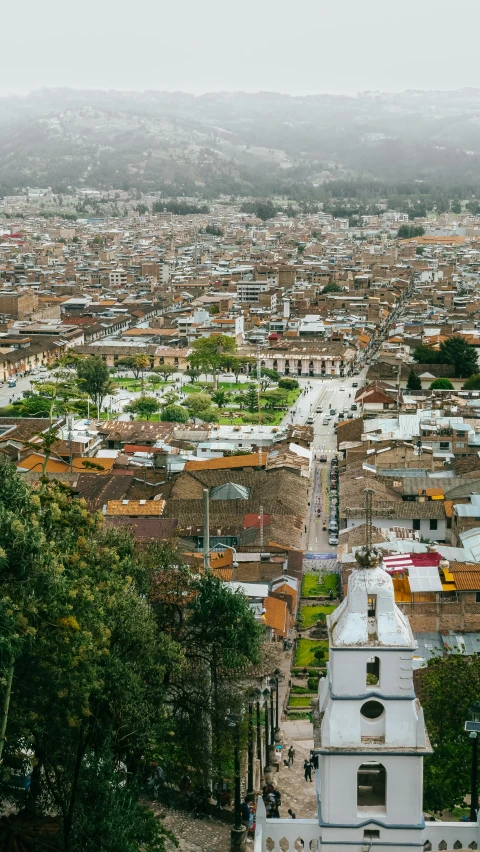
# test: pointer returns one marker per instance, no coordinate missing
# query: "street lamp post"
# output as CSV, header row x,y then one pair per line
x,y
272,725
238,832
266,693
258,693
250,790
473,726
274,681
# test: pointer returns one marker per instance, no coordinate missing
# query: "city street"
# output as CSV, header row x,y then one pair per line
x,y
330,394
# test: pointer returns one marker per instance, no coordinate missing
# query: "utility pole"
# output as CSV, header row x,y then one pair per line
x,y
206,528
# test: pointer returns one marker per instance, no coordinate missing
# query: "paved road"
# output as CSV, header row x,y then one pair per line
x,y
330,394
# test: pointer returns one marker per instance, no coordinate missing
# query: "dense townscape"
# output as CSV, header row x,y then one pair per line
x,y
234,434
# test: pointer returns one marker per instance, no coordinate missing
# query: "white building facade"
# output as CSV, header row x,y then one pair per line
x,y
372,737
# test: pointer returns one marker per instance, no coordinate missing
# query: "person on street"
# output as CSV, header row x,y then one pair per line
x,y
291,755
307,768
293,816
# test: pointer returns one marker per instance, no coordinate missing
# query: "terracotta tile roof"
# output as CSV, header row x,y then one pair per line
x,y
467,577
276,615
228,462
136,508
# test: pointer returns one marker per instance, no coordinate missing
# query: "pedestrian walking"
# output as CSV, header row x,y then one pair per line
x,y
307,768
293,816
291,755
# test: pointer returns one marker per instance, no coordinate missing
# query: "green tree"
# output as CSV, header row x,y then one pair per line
x,y
331,288
235,364
34,406
192,373
273,375
94,379
472,383
88,659
265,210
197,402
288,384
274,398
441,384
219,397
142,362
407,232
251,399
414,383
129,363
459,353
144,406
447,687
425,355
208,353
165,370
174,414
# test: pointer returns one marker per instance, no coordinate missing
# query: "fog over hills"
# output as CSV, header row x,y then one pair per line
x,y
242,144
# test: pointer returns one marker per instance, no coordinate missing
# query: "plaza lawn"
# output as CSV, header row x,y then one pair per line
x,y
304,652
300,700
309,614
314,585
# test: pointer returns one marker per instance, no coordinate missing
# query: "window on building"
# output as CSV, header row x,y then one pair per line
x,y
373,671
460,445
370,834
444,445
477,597
371,786
433,524
372,606
416,523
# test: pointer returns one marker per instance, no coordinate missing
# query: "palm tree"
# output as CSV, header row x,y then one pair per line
x,y
142,362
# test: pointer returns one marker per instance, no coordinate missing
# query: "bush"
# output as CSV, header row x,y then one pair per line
x,y
174,414
288,384
441,384
312,684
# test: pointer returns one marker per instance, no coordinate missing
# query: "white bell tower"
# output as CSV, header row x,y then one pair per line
x,y
373,738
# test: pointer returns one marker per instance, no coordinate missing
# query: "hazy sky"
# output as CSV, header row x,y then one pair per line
x,y
298,47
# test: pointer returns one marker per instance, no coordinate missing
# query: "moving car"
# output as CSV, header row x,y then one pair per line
x,y
326,421
310,421
354,384
323,457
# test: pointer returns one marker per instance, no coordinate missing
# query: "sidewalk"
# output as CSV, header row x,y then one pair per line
x,y
297,794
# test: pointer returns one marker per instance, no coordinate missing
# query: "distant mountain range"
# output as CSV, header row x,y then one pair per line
x,y
237,143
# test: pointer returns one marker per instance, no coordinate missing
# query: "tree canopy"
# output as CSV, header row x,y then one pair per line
x,y
144,406
94,379
447,687
472,383
118,656
455,351
441,384
414,382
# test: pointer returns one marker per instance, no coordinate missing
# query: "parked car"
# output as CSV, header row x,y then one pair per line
x,y
333,539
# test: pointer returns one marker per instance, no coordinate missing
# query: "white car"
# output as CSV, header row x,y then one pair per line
x,y
342,388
